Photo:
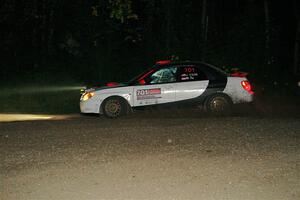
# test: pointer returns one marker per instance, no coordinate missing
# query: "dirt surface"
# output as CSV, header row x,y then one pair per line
x,y
91,158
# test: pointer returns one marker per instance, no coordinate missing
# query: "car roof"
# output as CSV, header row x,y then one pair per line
x,y
188,62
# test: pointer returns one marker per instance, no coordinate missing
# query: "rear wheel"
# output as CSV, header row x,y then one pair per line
x,y
114,107
218,104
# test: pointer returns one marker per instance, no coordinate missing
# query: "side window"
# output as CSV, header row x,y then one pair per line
x,y
191,73
164,75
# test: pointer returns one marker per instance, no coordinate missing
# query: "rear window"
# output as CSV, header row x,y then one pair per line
x,y
213,72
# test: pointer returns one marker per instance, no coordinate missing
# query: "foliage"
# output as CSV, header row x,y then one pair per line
x,y
122,10
103,40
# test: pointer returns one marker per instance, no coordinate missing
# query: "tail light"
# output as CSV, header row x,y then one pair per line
x,y
247,86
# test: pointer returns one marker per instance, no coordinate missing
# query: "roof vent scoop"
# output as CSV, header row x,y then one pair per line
x,y
163,62
112,84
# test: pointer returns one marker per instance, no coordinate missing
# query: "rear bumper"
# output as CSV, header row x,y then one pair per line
x,y
243,97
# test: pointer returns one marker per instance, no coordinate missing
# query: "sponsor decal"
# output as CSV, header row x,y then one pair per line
x,y
189,69
191,76
189,73
148,94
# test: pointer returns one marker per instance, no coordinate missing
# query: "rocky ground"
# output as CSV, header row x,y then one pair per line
x,y
155,157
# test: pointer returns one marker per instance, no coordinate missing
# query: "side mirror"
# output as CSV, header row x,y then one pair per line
x,y
142,82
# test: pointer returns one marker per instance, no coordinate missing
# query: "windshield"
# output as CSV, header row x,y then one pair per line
x,y
141,76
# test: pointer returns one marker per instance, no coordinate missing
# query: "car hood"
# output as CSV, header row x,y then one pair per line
x,y
97,88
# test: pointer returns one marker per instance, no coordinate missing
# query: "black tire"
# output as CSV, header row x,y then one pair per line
x,y
114,107
218,105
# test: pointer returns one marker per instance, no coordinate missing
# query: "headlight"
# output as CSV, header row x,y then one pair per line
x,y
82,91
87,96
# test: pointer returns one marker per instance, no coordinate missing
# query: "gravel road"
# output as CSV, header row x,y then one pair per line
x,y
91,158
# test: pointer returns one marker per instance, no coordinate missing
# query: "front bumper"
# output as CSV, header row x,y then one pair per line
x,y
89,106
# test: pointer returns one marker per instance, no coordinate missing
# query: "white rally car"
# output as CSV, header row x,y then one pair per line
x,y
185,83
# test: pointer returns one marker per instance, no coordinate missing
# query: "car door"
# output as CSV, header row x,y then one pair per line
x,y
156,88
192,82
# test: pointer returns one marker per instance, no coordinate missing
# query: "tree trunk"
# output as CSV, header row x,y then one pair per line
x,y
168,25
268,59
204,20
296,50
204,29
297,40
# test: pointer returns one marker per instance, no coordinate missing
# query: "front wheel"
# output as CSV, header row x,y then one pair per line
x,y
218,104
114,107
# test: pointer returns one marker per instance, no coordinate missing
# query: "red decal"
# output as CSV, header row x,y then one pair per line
x,y
163,62
154,91
146,74
148,94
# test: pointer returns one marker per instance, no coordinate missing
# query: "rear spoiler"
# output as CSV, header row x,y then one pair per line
x,y
239,74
